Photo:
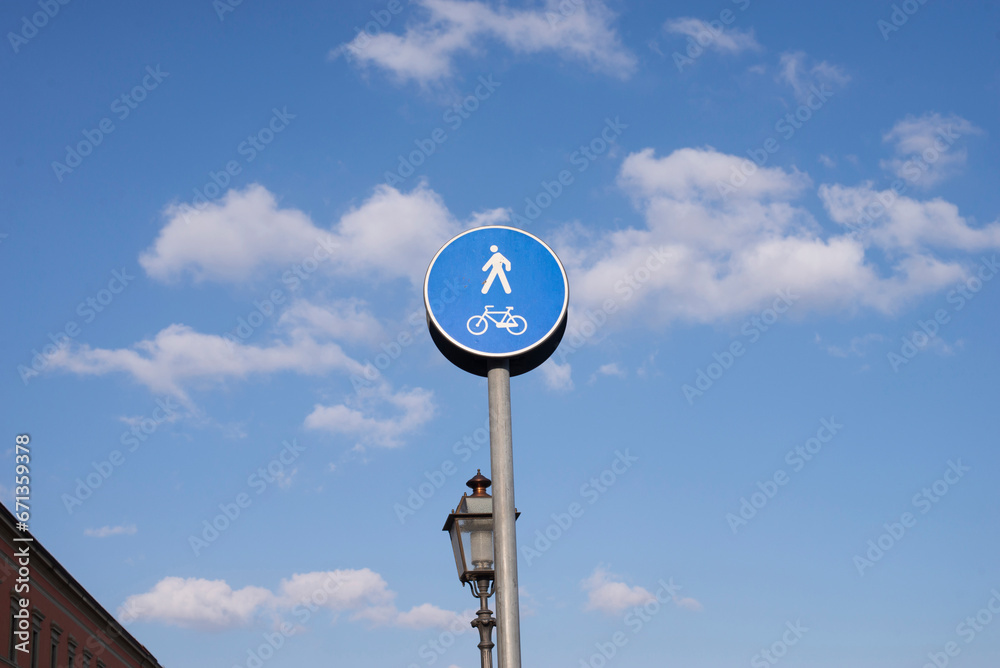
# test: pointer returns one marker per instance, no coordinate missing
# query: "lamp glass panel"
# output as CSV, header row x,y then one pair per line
x,y
477,504
477,539
456,546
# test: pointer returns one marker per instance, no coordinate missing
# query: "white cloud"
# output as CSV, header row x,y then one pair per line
x,y
212,604
688,604
342,590
606,593
526,601
706,255
896,222
925,147
611,370
245,235
394,234
695,174
106,531
230,239
178,356
731,40
709,250
827,161
342,319
429,616
133,420
198,603
489,217
557,376
797,73
284,479
449,29
858,347
937,344
413,408
391,235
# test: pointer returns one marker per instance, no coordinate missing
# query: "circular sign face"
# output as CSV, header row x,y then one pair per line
x,y
493,293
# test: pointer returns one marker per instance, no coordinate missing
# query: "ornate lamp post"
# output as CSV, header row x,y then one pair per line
x,y
470,526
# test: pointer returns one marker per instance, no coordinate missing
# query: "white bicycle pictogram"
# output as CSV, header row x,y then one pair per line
x,y
515,324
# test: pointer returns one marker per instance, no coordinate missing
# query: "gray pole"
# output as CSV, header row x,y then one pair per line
x,y
504,541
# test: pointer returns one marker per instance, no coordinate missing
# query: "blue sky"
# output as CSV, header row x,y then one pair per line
x,y
780,226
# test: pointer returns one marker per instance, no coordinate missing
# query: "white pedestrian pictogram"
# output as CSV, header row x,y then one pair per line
x,y
498,262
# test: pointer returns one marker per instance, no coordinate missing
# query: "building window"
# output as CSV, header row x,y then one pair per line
x,y
36,634
34,646
70,653
55,632
87,656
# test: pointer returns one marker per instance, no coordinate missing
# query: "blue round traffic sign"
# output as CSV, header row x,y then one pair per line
x,y
496,292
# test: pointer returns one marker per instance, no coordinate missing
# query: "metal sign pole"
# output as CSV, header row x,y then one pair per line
x,y
505,540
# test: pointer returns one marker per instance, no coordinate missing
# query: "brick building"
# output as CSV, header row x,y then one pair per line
x,y
63,625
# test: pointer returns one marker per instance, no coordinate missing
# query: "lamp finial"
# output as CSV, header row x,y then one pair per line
x,y
479,484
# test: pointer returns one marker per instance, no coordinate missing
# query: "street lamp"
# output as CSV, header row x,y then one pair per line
x,y
470,526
